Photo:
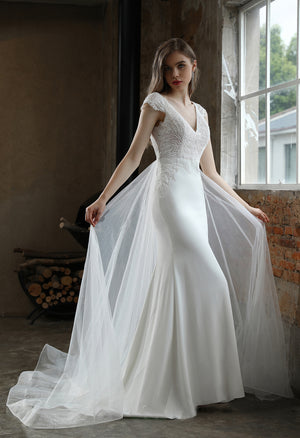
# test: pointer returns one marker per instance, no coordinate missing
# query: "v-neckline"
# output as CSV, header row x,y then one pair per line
x,y
196,114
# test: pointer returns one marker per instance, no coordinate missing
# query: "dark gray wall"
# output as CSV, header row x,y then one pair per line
x,y
200,24
58,76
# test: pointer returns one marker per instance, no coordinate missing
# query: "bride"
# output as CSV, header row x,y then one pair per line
x,y
178,305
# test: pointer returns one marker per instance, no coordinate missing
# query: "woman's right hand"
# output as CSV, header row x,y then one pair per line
x,y
94,211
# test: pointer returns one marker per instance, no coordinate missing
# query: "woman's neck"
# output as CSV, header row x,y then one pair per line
x,y
180,96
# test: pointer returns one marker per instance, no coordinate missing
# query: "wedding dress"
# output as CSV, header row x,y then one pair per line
x,y
177,306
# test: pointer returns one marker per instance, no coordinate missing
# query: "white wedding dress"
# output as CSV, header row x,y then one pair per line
x,y
177,306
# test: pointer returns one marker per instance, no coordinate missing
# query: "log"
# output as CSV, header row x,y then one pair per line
x,y
66,280
64,223
36,278
55,281
31,253
47,272
34,289
33,262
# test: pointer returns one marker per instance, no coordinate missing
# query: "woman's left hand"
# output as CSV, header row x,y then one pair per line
x,y
259,214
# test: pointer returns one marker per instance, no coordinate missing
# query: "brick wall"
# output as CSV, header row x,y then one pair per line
x,y
283,233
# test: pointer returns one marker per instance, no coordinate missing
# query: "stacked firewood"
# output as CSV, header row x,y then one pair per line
x,y
52,280
53,285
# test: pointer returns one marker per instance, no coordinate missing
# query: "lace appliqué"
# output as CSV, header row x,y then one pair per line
x,y
154,101
167,170
176,144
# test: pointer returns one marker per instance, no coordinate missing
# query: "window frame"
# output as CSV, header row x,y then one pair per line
x,y
265,91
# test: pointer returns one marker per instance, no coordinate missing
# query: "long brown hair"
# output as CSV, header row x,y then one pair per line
x,y
158,82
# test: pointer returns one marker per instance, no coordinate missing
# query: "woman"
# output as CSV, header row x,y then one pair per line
x,y
175,77
177,305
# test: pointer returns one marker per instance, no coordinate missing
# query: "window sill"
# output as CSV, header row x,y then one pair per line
x,y
277,187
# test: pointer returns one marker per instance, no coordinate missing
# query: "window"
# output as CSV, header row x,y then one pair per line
x,y
290,162
269,93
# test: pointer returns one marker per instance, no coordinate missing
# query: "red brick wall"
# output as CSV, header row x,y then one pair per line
x,y
283,230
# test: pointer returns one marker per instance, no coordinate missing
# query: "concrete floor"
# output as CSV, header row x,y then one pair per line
x,y
248,417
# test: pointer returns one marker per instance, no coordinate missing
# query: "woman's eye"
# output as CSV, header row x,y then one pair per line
x,y
181,65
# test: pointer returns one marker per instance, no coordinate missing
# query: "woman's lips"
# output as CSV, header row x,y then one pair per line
x,y
176,82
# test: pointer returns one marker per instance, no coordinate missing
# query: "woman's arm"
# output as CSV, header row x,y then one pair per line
x,y
208,166
148,118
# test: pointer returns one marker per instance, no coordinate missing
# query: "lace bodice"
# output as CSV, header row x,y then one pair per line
x,y
174,137
175,142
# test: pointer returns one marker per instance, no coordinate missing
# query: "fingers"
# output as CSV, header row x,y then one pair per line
x,y
263,216
95,217
260,214
98,215
89,213
92,215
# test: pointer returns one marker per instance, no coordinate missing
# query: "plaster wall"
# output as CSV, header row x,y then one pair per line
x,y
57,124
199,22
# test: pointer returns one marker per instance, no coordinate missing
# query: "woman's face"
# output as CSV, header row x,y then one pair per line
x,y
178,70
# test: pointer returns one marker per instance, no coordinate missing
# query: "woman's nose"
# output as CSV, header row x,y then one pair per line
x,y
175,72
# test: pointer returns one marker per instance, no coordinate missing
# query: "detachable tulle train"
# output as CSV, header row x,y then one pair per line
x,y
85,385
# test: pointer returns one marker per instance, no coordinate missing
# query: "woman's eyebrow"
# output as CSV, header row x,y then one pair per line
x,y
179,62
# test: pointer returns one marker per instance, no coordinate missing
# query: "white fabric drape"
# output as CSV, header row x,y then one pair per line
x,y
84,386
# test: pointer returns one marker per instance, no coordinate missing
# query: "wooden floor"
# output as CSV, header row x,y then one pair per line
x,y
248,417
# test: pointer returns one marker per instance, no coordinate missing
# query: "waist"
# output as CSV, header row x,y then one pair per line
x,y
176,158
189,163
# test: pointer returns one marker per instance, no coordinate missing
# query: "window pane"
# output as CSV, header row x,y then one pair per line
x,y
290,163
255,48
253,144
283,41
283,136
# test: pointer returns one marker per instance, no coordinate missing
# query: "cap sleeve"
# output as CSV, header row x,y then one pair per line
x,y
155,100
202,110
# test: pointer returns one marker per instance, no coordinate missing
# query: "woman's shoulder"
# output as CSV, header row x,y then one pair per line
x,y
155,100
201,109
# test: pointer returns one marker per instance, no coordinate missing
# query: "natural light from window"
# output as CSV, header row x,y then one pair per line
x,y
269,93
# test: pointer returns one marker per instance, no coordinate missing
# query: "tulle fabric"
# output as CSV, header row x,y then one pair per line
x,y
85,385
